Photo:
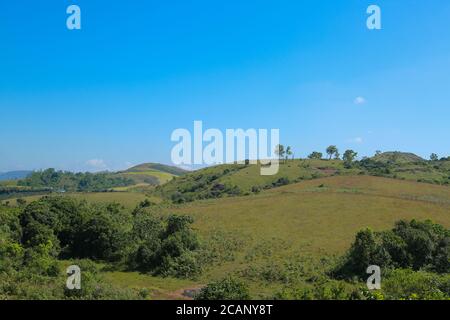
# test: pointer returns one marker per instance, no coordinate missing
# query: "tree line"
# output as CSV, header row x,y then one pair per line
x,y
74,182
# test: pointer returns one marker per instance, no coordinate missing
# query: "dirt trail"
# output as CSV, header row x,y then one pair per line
x,y
184,293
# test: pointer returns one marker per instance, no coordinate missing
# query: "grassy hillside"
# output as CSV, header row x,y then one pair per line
x,y
305,222
233,179
151,173
397,157
408,166
290,231
157,167
128,199
321,215
276,231
301,225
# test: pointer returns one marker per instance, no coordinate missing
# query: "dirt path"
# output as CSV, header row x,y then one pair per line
x,y
184,293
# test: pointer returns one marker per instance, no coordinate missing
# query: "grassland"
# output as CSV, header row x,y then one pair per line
x,y
301,223
304,224
243,179
128,199
162,177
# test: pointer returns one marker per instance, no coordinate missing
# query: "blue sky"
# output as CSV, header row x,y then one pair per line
x,y
110,95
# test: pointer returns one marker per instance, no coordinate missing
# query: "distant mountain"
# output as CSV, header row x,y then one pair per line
x,y
159,167
398,157
152,173
14,175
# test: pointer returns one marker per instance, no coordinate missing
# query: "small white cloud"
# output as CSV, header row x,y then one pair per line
x,y
97,164
356,140
359,100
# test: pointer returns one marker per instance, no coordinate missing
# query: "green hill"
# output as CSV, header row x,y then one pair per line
x,y
159,167
151,173
235,180
397,157
290,234
286,235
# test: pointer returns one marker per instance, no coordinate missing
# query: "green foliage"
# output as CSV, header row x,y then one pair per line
x,y
280,151
327,290
332,150
407,284
434,157
68,181
80,229
225,289
104,236
33,238
349,157
417,245
169,249
94,286
280,182
315,155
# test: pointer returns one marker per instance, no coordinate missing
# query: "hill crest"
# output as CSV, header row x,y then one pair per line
x,y
397,157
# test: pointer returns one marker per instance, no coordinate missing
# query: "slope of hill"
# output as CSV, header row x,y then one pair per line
x,y
159,167
152,173
408,166
312,218
234,179
14,175
322,214
397,157
289,232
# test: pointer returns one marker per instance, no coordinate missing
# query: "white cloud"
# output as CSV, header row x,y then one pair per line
x,y
359,100
97,164
356,140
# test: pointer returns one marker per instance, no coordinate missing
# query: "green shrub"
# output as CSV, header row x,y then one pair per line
x,y
225,289
414,244
411,285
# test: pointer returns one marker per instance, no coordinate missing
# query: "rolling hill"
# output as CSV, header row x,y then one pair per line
x,y
151,173
234,179
14,175
398,157
292,230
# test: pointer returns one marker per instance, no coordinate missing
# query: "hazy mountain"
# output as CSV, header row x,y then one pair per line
x,y
14,175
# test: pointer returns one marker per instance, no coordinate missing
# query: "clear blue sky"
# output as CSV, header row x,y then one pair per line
x,y
110,95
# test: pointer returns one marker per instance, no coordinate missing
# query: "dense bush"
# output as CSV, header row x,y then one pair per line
x,y
34,237
225,289
69,181
76,229
410,285
280,182
328,290
414,244
168,249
